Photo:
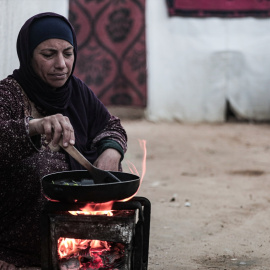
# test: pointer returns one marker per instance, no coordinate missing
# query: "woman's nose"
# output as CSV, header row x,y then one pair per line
x,y
60,62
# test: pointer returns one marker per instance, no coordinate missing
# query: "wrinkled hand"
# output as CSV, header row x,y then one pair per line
x,y
109,160
6,266
54,127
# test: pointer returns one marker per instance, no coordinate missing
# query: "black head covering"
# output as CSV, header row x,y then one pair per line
x,y
74,99
43,95
49,27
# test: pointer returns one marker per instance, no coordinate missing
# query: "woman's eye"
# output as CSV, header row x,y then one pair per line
x,y
47,55
68,54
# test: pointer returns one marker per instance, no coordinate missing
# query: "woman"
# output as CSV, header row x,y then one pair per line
x,y
40,103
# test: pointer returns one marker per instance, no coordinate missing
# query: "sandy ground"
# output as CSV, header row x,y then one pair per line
x,y
209,190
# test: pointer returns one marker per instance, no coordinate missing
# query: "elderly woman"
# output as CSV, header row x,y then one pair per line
x,y
40,103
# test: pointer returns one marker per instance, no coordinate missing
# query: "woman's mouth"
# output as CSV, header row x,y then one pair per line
x,y
59,76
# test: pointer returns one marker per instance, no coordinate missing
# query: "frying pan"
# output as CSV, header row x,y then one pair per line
x,y
77,186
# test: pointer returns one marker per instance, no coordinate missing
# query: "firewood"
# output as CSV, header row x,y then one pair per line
x,y
71,264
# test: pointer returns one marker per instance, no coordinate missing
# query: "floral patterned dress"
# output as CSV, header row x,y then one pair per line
x,y
22,166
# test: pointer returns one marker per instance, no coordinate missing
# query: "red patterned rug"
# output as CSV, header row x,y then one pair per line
x,y
111,49
219,8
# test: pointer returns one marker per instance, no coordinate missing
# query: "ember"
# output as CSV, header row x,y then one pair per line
x,y
82,254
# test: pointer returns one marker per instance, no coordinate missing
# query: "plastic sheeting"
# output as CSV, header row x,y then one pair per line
x,y
246,83
13,14
196,66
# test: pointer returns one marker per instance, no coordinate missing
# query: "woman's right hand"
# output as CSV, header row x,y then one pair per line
x,y
54,127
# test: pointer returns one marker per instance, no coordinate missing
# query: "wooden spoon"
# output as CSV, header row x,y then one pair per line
x,y
99,176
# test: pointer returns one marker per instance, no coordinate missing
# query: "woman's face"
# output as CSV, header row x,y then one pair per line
x,y
53,60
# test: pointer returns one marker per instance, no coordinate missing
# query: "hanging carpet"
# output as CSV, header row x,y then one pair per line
x,y
111,49
219,8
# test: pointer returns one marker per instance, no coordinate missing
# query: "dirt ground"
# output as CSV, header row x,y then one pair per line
x,y
209,189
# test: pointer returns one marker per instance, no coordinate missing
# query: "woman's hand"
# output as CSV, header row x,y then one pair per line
x,y
54,127
109,160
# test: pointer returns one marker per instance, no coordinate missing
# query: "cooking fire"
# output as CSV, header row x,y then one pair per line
x,y
110,233
89,254
85,254
113,240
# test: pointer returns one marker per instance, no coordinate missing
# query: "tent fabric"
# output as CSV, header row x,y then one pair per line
x,y
219,8
111,49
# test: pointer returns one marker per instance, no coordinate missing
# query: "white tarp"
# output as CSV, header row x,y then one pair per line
x,y
196,65
13,14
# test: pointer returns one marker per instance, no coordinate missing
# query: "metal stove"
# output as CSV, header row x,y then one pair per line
x,y
123,237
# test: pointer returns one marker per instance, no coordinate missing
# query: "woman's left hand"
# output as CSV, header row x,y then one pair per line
x,y
109,160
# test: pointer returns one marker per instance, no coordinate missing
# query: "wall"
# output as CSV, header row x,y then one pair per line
x,y
13,14
196,65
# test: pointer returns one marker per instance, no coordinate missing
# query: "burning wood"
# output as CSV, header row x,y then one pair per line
x,y
81,254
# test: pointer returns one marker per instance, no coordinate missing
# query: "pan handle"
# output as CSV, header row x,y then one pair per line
x,y
74,152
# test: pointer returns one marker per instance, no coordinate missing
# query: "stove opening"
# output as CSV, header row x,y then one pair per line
x,y
84,254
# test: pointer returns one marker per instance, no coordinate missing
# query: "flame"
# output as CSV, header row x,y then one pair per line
x,y
71,247
49,199
66,246
95,209
143,147
97,244
133,169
